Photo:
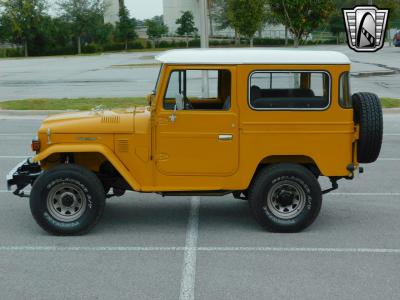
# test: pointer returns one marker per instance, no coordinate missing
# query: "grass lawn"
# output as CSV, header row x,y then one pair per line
x,y
390,102
71,104
89,103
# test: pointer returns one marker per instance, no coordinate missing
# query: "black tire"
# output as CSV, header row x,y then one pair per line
x,y
296,182
67,200
368,115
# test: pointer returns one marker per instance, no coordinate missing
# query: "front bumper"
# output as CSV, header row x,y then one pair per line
x,y
22,175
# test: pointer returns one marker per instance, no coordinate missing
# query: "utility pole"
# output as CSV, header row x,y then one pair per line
x,y
204,23
204,42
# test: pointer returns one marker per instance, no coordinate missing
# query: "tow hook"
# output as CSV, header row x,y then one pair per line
x,y
351,168
335,186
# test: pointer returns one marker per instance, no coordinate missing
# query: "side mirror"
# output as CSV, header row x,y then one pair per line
x,y
149,98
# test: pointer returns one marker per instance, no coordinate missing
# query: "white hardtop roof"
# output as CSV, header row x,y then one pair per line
x,y
241,56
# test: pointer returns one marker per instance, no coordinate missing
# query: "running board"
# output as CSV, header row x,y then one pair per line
x,y
196,193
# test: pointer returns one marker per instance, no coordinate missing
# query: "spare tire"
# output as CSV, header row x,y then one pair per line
x,y
368,115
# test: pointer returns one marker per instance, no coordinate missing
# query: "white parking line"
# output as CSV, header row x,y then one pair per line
x,y
17,134
391,134
198,249
389,159
189,264
301,249
364,194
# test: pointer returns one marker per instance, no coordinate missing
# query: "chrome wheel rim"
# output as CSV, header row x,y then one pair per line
x,y
286,199
66,202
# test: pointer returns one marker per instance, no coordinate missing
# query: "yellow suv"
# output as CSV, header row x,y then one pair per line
x,y
262,125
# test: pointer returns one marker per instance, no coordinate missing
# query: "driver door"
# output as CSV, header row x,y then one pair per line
x,y
199,136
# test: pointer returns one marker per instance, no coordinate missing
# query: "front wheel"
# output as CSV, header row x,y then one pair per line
x,y
67,200
285,198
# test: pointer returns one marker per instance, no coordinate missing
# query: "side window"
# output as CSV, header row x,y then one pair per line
x,y
198,90
289,90
344,91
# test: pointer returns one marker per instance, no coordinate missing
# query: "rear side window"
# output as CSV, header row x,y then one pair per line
x,y
344,91
289,90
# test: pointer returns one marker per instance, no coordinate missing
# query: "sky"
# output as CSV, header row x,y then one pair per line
x,y
144,9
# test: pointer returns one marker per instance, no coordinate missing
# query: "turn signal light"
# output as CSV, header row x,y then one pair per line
x,y
35,145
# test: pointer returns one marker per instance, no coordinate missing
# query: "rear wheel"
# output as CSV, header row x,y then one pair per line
x,y
67,200
285,198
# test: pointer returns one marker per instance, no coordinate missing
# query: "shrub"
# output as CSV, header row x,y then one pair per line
x,y
11,52
113,47
92,48
135,45
194,43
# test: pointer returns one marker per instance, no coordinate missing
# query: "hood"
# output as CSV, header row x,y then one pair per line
x,y
95,121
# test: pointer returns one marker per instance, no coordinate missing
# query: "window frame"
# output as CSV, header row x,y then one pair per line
x,y
185,78
349,89
290,71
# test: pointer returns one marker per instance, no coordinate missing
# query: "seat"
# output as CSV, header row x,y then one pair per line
x,y
255,93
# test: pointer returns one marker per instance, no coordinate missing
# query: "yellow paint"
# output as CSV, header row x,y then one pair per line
x,y
154,154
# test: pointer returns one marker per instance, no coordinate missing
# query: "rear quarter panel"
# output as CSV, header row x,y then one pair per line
x,y
325,136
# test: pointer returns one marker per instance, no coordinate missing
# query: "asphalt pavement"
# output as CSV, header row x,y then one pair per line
x,y
134,74
150,247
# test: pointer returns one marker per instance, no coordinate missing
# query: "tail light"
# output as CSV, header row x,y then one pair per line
x,y
35,145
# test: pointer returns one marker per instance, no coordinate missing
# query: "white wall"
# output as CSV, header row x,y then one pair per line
x,y
173,10
111,15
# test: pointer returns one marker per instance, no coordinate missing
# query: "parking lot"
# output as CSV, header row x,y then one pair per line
x,y
149,247
134,74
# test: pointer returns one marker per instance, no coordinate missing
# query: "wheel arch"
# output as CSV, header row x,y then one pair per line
x,y
303,160
87,149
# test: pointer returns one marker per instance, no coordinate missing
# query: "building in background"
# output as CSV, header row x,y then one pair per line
x,y
173,10
111,14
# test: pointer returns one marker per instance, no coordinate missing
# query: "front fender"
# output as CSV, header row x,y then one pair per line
x,y
95,148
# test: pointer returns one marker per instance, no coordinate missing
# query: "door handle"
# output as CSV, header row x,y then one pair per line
x,y
225,137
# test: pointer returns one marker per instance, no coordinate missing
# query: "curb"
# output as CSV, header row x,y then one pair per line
x,y
33,112
391,110
373,73
30,114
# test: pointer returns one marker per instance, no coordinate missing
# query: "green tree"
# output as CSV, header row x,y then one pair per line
x,y
83,15
335,23
125,26
302,16
186,28
155,29
247,16
21,20
219,14
52,37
